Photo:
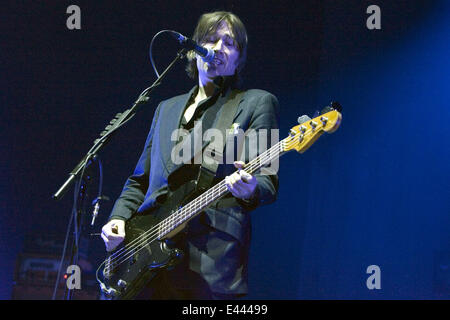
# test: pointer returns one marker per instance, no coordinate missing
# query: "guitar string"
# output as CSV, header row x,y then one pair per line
x,y
221,188
203,200
193,205
210,192
142,239
213,193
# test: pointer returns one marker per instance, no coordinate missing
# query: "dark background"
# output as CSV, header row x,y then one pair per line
x,y
376,192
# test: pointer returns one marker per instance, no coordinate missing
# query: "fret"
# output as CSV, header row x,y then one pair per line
x,y
201,202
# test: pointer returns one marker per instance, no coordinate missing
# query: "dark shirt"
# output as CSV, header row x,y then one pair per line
x,y
221,87
190,171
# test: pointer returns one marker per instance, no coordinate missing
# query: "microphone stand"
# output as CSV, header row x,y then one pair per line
x,y
80,196
78,216
117,122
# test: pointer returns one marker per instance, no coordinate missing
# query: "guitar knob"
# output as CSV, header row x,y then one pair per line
x,y
121,284
292,133
109,292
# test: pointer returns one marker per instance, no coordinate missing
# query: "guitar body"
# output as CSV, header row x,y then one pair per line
x,y
142,255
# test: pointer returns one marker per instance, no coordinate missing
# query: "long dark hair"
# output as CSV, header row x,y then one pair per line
x,y
207,25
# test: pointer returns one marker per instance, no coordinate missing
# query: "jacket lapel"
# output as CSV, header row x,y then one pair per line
x,y
172,117
170,120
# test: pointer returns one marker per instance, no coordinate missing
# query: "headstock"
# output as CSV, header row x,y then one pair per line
x,y
302,136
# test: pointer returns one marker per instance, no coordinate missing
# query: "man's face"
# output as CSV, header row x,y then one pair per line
x,y
226,54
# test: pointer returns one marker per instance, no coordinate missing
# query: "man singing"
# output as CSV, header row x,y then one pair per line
x,y
216,242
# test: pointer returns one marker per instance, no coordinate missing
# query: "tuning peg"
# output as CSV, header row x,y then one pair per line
x,y
326,109
333,106
292,133
336,106
303,119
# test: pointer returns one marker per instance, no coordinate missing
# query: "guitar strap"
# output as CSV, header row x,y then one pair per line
x,y
208,169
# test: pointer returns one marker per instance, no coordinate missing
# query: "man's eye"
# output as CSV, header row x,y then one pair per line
x,y
228,41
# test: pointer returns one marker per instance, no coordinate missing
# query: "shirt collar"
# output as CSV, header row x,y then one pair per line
x,y
222,85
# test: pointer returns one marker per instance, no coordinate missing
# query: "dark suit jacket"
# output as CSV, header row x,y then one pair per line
x,y
218,254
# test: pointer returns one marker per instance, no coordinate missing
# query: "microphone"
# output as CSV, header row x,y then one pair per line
x,y
206,53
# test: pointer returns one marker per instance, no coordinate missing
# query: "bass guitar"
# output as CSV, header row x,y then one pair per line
x,y
147,248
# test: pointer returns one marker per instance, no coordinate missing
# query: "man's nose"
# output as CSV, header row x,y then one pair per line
x,y
218,45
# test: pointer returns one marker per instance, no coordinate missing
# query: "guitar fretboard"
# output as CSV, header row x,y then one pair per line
x,y
197,205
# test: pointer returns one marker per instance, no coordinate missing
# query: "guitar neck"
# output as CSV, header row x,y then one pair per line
x,y
197,205
300,138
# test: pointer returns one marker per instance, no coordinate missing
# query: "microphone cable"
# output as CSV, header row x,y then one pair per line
x,y
151,50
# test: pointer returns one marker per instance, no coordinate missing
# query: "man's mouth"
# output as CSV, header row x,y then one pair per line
x,y
217,61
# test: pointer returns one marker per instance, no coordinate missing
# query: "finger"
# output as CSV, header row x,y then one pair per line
x,y
113,236
230,186
116,238
234,192
121,229
114,229
247,177
239,164
241,185
113,244
228,183
244,174
238,190
109,247
105,232
236,186
105,239
235,178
